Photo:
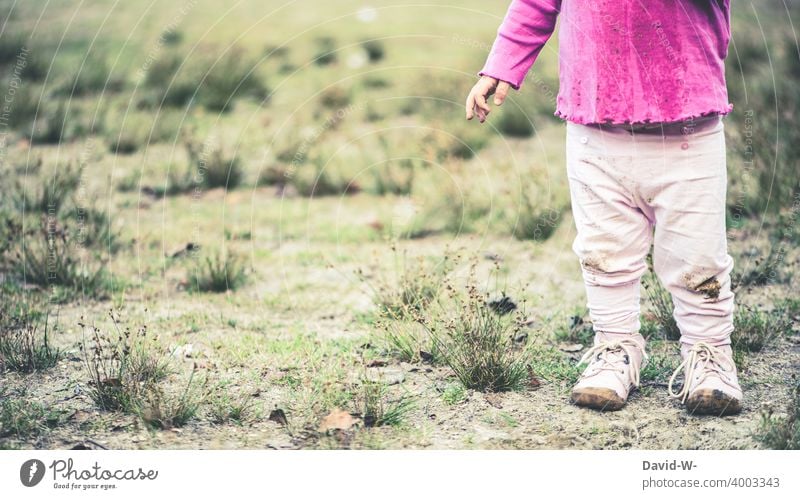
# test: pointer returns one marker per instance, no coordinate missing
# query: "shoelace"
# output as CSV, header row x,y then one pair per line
x,y
598,352
712,359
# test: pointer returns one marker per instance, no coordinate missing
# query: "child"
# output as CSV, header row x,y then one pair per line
x,y
642,89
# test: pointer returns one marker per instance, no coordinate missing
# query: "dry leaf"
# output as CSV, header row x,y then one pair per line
x,y
337,420
494,399
80,416
533,381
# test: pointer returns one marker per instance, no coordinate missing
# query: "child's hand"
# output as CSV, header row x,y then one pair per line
x,y
476,100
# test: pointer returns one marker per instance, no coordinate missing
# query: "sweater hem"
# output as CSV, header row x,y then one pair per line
x,y
583,120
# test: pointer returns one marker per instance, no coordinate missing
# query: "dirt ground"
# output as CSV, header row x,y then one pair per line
x,y
541,418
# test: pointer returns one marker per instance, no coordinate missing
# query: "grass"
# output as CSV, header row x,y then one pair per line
x,y
48,259
373,404
228,76
375,49
130,371
214,78
225,407
24,109
319,174
25,418
164,85
773,110
649,327
465,142
454,394
399,301
123,365
325,51
540,213
759,272
94,230
787,225
10,232
93,77
393,177
62,234
661,308
661,363
50,125
782,432
177,180
217,274
130,132
214,165
514,122
318,392
11,46
477,344
552,365
51,193
336,97
56,240
755,328
163,409
416,283
407,341
24,343
403,139
575,329
451,200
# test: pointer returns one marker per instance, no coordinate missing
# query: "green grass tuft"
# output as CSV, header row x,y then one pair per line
x,y
217,274
477,344
782,432
376,408
25,418
25,343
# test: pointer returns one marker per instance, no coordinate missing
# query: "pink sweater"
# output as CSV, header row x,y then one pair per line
x,y
622,61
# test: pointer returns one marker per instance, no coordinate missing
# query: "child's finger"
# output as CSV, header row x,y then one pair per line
x,y
482,113
501,93
480,101
470,105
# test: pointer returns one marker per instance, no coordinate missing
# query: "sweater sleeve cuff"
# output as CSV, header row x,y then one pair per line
x,y
503,74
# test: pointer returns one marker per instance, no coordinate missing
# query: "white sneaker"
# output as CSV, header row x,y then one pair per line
x,y
612,373
710,383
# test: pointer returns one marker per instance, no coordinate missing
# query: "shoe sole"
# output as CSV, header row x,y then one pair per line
x,y
714,402
602,399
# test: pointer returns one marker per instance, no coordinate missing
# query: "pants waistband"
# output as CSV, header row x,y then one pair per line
x,y
686,127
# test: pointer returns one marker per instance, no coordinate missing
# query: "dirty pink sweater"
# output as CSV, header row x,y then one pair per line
x,y
622,61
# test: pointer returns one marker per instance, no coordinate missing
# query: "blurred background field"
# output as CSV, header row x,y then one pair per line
x,y
253,225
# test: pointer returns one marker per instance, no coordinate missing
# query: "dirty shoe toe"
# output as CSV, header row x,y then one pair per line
x,y
613,371
710,383
712,401
602,399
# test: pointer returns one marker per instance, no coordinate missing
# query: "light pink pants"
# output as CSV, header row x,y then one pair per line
x,y
630,190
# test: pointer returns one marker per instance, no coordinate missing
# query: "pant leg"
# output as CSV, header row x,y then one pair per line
x,y
690,252
613,235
